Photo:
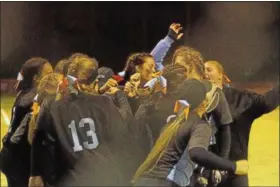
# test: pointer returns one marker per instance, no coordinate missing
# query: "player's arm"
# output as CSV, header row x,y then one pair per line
x,y
124,106
18,113
163,46
198,145
264,103
222,116
37,148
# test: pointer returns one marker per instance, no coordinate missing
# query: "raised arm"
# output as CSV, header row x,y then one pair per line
x,y
264,103
163,46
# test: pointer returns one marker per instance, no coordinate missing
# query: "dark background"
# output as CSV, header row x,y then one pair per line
x,y
109,31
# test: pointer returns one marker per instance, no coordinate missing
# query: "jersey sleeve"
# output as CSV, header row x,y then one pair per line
x,y
221,114
264,103
118,129
124,106
200,136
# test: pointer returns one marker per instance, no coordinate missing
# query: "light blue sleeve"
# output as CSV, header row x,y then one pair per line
x,y
160,51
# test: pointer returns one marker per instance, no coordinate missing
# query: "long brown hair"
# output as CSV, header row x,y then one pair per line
x,y
134,60
30,68
46,88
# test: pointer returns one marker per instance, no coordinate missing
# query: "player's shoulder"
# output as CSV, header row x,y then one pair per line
x,y
194,119
91,100
94,98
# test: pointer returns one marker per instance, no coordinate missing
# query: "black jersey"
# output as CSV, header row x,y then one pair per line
x,y
155,117
91,135
194,132
245,107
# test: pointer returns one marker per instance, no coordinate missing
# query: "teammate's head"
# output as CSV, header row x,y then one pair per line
x,y
48,86
142,63
74,55
62,66
175,74
104,74
192,60
85,70
32,71
195,91
215,72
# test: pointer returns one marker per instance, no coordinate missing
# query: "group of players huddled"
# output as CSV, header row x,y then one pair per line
x,y
151,125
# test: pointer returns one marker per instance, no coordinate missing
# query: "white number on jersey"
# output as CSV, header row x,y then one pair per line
x,y
90,133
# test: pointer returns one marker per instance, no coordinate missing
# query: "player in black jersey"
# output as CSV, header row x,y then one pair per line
x,y
15,155
90,133
188,130
220,119
107,84
245,107
159,109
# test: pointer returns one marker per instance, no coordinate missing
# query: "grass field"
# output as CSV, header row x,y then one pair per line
x,y
263,148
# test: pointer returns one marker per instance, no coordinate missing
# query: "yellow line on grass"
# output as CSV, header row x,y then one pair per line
x,y
5,116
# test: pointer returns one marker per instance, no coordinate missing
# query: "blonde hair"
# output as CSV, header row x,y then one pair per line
x,y
189,57
85,70
47,87
61,66
161,144
221,70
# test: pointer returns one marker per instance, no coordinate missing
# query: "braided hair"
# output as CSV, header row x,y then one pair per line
x,y
85,70
190,57
133,61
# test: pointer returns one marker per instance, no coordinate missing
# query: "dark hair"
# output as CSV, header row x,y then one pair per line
x,y
62,66
175,74
29,69
133,61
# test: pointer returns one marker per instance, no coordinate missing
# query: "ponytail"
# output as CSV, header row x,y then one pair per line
x,y
162,142
32,123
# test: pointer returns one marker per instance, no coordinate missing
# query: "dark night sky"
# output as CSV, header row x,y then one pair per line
x,y
110,31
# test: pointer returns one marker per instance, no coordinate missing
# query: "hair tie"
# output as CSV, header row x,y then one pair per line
x,y
36,98
68,83
72,84
122,74
19,76
62,85
118,78
182,105
227,80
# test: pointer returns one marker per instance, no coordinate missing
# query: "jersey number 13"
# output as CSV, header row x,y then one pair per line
x,y
90,133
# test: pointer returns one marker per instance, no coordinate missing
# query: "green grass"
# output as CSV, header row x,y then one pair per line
x,y
6,104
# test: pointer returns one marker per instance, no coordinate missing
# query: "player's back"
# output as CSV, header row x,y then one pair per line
x,y
92,135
